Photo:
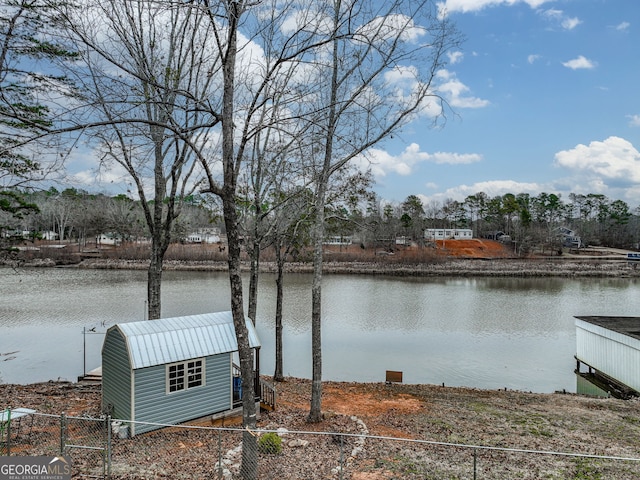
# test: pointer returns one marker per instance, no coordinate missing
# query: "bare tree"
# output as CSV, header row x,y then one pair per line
x,y
290,234
261,57
375,75
143,81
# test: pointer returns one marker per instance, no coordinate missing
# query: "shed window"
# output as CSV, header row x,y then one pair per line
x,y
185,375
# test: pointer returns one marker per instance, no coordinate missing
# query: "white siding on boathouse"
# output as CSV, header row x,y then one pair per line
x,y
611,345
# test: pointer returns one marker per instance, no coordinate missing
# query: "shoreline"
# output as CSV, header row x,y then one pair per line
x,y
575,267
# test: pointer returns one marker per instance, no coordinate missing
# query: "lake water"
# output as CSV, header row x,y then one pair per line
x,y
478,332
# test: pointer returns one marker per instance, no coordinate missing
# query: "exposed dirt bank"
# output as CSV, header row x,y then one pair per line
x,y
538,267
476,257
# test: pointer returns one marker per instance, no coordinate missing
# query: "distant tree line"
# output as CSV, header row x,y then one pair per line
x,y
77,215
528,221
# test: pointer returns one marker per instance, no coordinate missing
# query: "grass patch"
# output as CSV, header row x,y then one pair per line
x,y
586,470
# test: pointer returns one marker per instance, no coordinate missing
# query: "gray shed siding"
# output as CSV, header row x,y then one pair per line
x,y
116,376
135,356
153,404
612,353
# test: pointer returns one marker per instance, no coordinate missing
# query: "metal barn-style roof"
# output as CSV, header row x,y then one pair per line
x,y
169,340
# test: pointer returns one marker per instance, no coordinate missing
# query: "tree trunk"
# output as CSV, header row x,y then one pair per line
x,y
278,375
154,281
253,280
160,232
315,412
249,466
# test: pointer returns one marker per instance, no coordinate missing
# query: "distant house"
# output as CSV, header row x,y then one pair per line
x,y
194,238
403,241
211,235
204,235
338,240
448,233
108,239
569,238
49,235
172,370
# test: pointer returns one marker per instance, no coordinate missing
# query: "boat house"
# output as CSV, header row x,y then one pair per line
x,y
610,349
173,370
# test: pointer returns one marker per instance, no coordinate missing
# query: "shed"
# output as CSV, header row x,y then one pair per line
x,y
171,370
611,347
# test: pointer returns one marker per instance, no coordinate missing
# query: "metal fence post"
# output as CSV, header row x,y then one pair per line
x,y
341,456
108,427
219,453
9,432
475,461
63,433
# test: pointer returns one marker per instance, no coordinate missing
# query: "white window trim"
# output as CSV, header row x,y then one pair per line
x,y
186,374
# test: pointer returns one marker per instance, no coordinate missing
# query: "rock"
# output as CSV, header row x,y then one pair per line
x,y
298,443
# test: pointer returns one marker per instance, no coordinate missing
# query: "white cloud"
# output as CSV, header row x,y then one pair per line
x,y
451,158
610,167
382,162
634,120
623,26
558,16
388,27
455,91
570,23
455,57
579,63
465,6
492,188
532,58
614,159
552,13
401,75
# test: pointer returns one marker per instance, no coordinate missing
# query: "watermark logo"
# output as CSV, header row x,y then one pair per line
x,y
35,468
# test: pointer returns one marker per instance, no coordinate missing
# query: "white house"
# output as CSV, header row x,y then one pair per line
x,y
194,238
448,233
337,240
49,235
204,235
108,239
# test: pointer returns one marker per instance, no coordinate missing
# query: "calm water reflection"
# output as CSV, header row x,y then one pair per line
x,y
481,332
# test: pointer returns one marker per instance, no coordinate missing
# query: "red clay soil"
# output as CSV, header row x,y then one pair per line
x,y
474,248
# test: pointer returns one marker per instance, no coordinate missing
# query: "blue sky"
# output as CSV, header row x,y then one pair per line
x,y
547,97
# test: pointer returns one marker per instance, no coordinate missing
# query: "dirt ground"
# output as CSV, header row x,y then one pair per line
x,y
520,421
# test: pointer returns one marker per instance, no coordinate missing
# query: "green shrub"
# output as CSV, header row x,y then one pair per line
x,y
270,443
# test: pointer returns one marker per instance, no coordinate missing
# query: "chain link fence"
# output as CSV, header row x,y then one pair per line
x,y
102,448
85,440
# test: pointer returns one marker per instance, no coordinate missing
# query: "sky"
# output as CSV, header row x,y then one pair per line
x,y
546,95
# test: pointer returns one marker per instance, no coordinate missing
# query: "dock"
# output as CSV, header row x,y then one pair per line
x,y
94,376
